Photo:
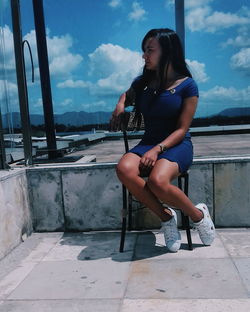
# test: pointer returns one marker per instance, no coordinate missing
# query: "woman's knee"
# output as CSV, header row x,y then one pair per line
x,y
158,182
126,169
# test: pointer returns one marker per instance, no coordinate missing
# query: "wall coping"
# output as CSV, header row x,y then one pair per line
x,y
8,173
197,161
5,174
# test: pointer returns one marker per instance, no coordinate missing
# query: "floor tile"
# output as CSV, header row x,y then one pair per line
x,y
179,278
91,246
103,305
9,283
152,245
243,266
105,279
195,305
237,242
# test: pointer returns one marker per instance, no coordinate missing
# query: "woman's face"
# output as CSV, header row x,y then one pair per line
x,y
152,53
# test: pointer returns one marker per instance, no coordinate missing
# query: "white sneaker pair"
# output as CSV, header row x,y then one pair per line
x,y
205,228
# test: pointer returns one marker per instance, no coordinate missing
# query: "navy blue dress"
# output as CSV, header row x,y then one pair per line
x,y
160,119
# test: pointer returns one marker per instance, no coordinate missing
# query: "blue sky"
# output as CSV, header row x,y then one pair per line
x,y
94,50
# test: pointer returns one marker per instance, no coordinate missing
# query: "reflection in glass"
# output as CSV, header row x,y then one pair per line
x,y
8,84
94,54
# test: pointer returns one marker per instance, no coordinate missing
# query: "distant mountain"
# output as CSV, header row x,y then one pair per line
x,y
235,112
11,119
84,118
68,119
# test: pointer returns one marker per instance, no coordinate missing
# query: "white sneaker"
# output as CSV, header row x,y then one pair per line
x,y
171,234
205,227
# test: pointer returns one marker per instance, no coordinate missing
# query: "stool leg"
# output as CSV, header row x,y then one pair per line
x,y
124,217
130,199
189,238
185,219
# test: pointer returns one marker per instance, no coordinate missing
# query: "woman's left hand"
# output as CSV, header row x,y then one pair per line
x,y
148,160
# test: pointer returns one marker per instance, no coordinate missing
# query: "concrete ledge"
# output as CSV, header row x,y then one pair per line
x,y
89,196
81,197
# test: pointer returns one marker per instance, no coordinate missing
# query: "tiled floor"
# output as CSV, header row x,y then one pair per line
x,y
85,272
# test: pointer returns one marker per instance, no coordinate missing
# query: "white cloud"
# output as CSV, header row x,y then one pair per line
x,y
241,40
38,103
241,60
67,102
189,4
196,3
65,105
137,13
114,67
198,70
195,18
8,49
95,106
115,83
64,64
7,39
114,3
8,89
204,19
8,96
73,84
219,98
221,93
61,61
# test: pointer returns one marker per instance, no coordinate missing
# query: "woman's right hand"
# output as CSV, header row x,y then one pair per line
x,y
115,121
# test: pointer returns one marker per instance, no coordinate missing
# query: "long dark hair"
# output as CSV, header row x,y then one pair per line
x,y
171,52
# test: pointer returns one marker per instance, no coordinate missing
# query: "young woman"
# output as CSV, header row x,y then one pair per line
x,y
166,96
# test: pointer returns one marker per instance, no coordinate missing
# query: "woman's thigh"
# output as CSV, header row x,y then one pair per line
x,y
164,171
129,164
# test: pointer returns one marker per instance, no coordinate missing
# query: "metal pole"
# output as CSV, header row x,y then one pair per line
x,y
180,21
21,81
45,77
2,149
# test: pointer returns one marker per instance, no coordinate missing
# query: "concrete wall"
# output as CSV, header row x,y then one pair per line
x,y
86,197
15,218
89,197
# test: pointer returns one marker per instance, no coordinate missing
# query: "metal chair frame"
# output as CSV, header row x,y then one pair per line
x,y
127,197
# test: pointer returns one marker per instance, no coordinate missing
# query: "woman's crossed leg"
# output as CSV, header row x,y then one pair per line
x,y
158,188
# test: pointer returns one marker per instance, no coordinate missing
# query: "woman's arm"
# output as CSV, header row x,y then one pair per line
x,y
116,115
184,122
120,106
126,99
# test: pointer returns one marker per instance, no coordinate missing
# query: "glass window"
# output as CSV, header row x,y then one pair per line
x,y
94,54
8,88
218,53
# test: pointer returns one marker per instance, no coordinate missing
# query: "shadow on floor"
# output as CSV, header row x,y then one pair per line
x,y
100,245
